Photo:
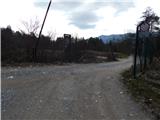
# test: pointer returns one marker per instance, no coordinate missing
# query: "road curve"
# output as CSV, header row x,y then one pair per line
x,y
70,92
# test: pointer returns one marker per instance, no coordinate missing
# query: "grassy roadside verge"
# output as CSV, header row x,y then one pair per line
x,y
144,91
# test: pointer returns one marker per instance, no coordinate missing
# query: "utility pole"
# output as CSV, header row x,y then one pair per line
x,y
37,42
142,27
136,51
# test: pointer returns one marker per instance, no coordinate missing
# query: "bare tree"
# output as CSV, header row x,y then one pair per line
x,y
31,27
150,17
52,34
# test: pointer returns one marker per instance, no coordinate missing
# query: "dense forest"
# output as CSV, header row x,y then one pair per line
x,y
17,47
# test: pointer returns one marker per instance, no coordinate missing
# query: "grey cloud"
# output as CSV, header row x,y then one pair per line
x,y
61,5
67,6
81,14
70,5
120,6
83,25
123,6
83,19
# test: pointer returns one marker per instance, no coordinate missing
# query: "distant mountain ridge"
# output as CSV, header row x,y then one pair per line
x,y
114,37
119,37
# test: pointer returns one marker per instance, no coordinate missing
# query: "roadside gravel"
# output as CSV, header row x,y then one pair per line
x,y
69,92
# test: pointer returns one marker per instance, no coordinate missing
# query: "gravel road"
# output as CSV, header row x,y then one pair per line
x,y
69,92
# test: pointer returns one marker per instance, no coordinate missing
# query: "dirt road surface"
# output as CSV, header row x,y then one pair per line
x,y
69,92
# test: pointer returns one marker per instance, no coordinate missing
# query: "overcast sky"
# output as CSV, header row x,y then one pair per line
x,y
82,18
